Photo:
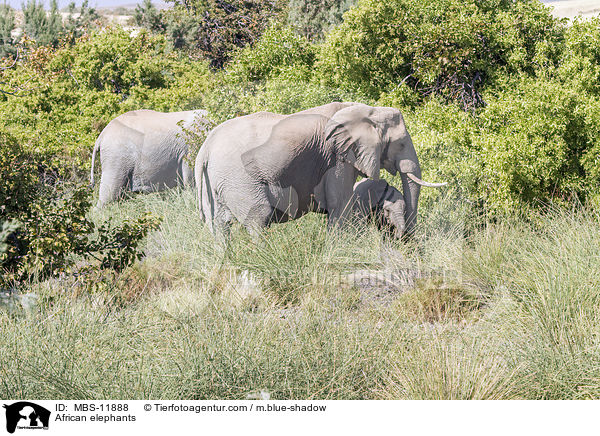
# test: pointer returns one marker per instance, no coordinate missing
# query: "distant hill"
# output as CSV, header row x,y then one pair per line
x,y
562,8
98,4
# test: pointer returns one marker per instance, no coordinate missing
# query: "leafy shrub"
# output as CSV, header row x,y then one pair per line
x,y
79,21
217,28
532,139
44,28
7,24
314,18
71,93
116,62
452,48
44,224
147,16
278,51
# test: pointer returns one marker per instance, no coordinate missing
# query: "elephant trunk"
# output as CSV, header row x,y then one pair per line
x,y
411,191
409,165
397,221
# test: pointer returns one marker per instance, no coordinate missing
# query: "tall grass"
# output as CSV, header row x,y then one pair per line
x,y
506,311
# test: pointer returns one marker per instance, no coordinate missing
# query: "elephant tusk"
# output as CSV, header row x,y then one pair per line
x,y
422,183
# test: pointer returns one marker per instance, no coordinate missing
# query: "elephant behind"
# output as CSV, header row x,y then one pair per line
x,y
381,201
144,151
267,167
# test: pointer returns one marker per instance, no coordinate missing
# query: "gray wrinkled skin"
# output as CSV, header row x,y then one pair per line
x,y
380,201
144,151
267,167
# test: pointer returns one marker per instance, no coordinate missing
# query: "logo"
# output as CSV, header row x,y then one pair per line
x,y
26,415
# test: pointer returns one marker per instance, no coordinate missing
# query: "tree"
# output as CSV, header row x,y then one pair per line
x,y
449,48
314,18
44,28
222,26
7,25
146,15
78,22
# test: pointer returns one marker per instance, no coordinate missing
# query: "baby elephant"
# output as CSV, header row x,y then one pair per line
x,y
145,151
381,201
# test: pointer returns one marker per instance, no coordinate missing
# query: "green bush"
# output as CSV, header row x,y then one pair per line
x,y
44,223
44,28
7,24
536,142
147,16
216,29
314,18
452,48
114,61
71,93
532,139
278,52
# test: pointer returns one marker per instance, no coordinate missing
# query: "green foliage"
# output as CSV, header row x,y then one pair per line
x,y
221,27
7,24
44,223
147,16
73,92
179,28
228,98
80,21
44,28
119,244
536,155
452,48
115,62
314,18
535,142
276,74
279,51
177,23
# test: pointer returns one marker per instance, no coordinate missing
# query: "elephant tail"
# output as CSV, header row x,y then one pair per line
x,y
201,181
96,149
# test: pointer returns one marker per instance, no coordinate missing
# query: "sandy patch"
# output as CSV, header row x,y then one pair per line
x,y
574,8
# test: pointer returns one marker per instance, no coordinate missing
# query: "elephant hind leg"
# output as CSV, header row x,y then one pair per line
x,y
112,186
186,178
221,223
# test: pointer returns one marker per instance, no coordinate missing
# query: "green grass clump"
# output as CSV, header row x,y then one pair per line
x,y
515,316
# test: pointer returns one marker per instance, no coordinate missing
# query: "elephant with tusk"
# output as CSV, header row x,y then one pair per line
x,y
145,151
266,167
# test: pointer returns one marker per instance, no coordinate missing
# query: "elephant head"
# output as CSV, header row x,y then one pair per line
x,y
370,138
381,201
393,214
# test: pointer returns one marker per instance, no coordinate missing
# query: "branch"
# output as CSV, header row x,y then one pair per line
x,y
13,64
16,91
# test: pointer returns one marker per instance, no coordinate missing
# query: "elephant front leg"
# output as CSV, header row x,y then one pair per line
x,y
339,182
258,217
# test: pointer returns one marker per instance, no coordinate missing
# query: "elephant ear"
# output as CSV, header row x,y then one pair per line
x,y
354,136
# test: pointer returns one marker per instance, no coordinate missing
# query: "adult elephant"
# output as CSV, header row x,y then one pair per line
x,y
144,151
268,167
